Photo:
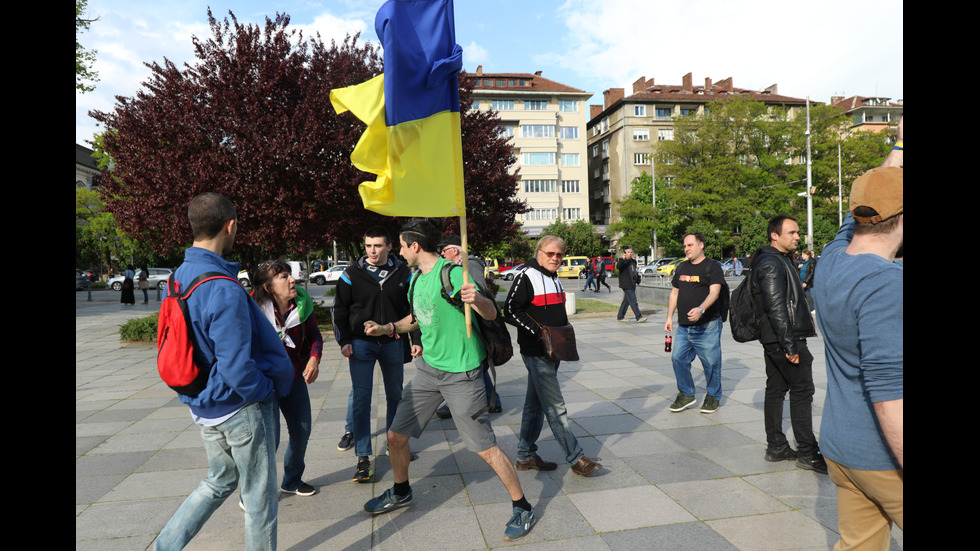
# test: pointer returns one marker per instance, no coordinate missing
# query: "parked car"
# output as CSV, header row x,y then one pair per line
x,y
82,281
158,279
727,266
327,276
572,266
668,268
505,267
511,273
604,261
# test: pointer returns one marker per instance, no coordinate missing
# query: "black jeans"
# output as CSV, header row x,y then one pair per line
x,y
797,379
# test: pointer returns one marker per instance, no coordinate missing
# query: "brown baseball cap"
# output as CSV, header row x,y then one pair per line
x,y
880,189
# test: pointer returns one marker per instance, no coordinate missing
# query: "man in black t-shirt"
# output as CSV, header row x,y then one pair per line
x,y
697,285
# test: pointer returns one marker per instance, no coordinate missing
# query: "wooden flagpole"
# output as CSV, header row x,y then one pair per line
x,y
466,271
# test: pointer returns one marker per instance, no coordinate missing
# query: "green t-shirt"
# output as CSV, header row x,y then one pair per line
x,y
444,342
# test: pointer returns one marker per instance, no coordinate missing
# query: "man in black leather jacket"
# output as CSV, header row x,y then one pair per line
x,y
786,323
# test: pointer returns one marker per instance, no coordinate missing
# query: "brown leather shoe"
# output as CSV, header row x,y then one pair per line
x,y
536,463
586,466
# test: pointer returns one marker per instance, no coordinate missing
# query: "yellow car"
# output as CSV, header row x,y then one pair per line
x,y
572,265
668,268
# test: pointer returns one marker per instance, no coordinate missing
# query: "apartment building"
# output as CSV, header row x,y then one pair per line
x,y
545,121
624,130
869,114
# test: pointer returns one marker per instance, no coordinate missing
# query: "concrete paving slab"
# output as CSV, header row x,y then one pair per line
x,y
669,480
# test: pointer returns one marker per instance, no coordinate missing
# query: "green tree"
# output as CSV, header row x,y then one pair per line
x,y
83,58
581,237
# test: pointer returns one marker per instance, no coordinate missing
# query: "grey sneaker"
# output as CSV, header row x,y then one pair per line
x,y
640,320
387,501
682,402
710,404
519,525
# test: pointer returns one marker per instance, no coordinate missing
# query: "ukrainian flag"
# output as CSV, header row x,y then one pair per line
x,y
412,141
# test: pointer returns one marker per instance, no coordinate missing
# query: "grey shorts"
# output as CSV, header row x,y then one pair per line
x,y
464,392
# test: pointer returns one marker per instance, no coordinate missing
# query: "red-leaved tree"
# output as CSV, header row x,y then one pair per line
x,y
251,119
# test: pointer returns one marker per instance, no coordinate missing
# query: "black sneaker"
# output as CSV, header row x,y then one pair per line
x,y
780,453
443,412
814,462
364,473
346,442
304,489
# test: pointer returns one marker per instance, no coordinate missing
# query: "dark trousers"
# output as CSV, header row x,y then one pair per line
x,y
782,376
629,301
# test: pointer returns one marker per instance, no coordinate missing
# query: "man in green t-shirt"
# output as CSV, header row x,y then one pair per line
x,y
450,370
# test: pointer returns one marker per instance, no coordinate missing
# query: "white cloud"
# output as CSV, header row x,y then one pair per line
x,y
473,55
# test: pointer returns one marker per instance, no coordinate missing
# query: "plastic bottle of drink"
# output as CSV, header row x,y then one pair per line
x,y
668,341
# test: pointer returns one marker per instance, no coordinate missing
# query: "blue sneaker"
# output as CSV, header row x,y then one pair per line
x,y
519,525
387,501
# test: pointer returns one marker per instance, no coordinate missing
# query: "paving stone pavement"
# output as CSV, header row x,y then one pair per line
x,y
670,480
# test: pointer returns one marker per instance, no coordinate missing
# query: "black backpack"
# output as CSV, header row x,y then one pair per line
x,y
746,324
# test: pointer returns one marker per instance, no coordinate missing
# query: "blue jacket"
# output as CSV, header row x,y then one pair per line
x,y
252,365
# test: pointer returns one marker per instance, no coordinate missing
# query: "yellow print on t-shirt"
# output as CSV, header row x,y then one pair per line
x,y
691,278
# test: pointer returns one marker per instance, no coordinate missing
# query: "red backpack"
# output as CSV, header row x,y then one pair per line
x,y
181,365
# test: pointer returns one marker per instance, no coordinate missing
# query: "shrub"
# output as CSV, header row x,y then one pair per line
x,y
140,329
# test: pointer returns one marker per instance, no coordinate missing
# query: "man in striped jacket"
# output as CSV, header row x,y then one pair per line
x,y
537,298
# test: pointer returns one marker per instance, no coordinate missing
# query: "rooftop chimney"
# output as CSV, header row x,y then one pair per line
x,y
687,83
612,95
726,85
479,70
640,85
774,89
707,85
594,111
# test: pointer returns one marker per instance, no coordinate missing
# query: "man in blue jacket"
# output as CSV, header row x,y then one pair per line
x,y
235,409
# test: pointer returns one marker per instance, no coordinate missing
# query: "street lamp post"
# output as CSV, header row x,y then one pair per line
x,y
809,182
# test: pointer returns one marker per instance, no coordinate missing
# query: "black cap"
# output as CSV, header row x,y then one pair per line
x,y
452,240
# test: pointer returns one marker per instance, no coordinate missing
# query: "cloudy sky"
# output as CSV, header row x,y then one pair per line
x,y
834,47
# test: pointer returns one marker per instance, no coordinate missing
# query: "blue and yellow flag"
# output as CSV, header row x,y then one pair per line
x,y
412,141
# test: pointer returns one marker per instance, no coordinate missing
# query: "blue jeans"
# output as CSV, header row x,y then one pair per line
x,y
390,356
240,448
589,282
703,341
295,409
544,400
629,299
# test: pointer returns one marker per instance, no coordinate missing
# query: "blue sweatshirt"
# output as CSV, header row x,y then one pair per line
x,y
252,365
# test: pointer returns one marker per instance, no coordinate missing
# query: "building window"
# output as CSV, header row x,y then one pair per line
x,y
605,148
508,131
538,131
535,105
569,132
540,186
502,105
641,134
546,158
689,112
595,150
604,125
573,213
570,186
665,134
542,214
568,106
639,110
664,113
569,159
641,158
